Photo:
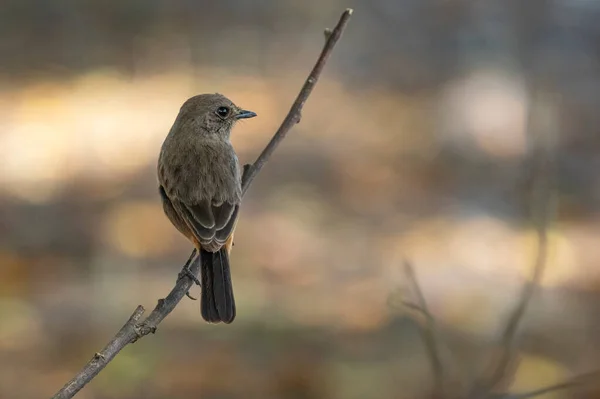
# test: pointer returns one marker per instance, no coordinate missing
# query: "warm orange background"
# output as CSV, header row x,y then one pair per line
x,y
413,145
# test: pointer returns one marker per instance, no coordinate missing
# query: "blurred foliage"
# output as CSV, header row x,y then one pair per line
x,y
415,144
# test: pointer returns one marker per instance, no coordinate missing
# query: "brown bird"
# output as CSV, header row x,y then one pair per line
x,y
201,189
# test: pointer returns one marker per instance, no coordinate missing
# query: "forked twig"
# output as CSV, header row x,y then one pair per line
x,y
543,204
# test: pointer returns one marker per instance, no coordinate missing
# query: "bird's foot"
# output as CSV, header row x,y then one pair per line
x,y
186,272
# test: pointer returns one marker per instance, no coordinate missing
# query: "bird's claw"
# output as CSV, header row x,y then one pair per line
x,y
186,272
191,297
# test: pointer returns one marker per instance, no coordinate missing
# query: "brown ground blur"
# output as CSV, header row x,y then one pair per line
x,y
414,144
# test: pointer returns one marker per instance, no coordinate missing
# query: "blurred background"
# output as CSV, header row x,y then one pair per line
x,y
416,144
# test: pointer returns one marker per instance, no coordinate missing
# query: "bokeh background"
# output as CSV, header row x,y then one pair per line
x,y
416,144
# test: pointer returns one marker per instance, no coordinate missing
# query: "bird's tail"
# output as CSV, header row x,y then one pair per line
x,y
217,302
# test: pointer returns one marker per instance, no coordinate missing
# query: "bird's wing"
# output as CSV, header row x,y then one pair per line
x,y
210,225
222,234
199,217
173,215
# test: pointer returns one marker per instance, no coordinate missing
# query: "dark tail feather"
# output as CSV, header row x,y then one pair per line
x,y
217,302
207,302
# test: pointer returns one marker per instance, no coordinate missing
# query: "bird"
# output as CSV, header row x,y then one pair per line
x,y
200,186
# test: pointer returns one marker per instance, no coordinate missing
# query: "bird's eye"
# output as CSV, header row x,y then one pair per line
x,y
223,112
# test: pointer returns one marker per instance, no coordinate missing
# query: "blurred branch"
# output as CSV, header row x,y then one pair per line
x,y
428,333
573,382
133,329
543,139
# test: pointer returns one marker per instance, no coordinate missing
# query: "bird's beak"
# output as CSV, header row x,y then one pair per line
x,y
243,114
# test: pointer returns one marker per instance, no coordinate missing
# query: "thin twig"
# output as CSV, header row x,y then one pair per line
x,y
293,116
428,333
134,330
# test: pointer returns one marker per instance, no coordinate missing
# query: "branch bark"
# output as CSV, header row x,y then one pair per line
x,y
133,329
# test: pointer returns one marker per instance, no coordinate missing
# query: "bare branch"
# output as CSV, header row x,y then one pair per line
x,y
133,329
428,333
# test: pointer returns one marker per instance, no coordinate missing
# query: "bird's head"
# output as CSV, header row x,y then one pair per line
x,y
212,114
